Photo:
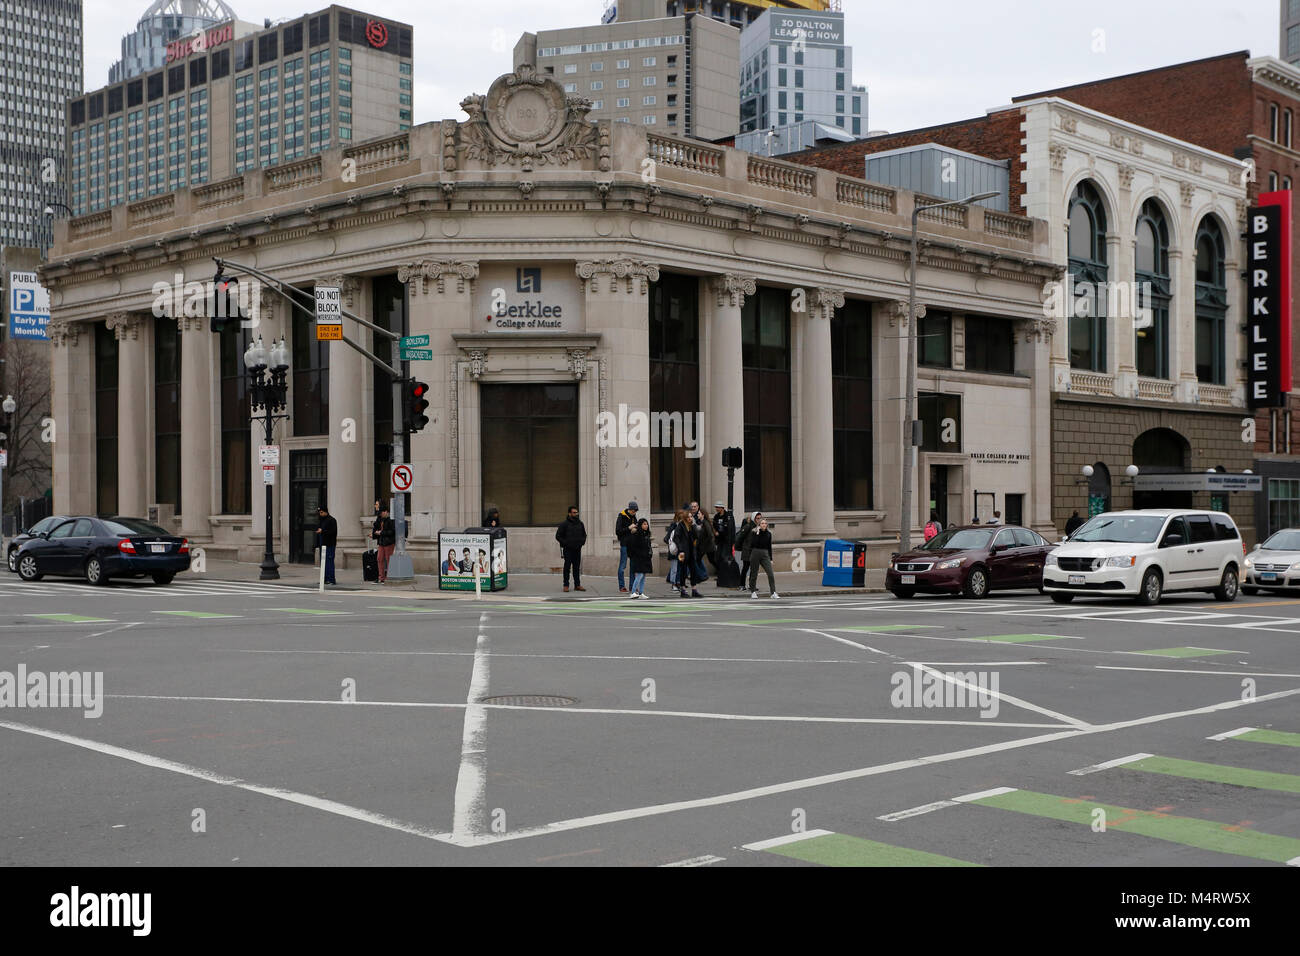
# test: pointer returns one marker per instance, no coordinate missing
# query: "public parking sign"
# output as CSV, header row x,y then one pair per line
x,y
402,478
329,313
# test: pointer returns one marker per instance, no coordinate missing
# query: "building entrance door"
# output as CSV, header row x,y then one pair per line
x,y
939,493
308,471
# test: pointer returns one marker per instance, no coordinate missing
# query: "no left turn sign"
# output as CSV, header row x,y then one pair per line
x,y
402,478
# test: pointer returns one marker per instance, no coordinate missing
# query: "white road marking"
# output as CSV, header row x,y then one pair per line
x,y
471,780
917,811
787,839
972,797
696,861
574,657
1131,758
845,640
1231,733
1179,670
120,627
208,776
1294,861
1007,698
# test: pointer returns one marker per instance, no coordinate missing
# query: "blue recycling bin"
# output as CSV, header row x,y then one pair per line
x,y
837,563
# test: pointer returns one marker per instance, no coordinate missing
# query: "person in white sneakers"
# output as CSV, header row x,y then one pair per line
x,y
760,555
640,554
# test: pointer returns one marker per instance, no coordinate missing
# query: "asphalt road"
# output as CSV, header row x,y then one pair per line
x,y
246,724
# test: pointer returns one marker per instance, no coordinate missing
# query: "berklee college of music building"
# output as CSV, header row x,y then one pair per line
x,y
562,269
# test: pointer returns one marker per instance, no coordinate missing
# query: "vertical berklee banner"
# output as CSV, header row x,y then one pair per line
x,y
1268,315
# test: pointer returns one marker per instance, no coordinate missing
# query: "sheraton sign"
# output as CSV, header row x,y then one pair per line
x,y
1268,312
200,41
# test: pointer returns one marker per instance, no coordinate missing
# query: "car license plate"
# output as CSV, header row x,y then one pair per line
x,y
158,548
1076,579
909,578
1267,576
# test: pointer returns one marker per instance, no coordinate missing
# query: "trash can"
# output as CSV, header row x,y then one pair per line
x,y
474,552
838,564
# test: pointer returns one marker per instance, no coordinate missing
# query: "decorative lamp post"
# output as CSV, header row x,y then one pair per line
x,y
268,390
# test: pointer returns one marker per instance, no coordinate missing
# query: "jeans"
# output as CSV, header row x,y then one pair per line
x,y
329,565
573,559
761,559
622,564
638,582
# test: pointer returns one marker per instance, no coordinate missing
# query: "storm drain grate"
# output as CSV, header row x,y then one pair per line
x,y
530,700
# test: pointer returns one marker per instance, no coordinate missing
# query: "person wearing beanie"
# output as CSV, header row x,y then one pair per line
x,y
743,542
624,527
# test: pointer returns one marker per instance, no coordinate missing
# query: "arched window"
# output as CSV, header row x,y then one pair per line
x,y
1211,302
1286,128
1272,121
1099,489
1152,274
1088,270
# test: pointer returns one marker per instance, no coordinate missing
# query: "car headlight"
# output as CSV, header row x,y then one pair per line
x,y
1050,561
1127,561
1296,566
949,565
1250,563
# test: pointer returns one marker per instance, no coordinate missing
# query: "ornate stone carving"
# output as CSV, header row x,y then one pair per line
x,y
898,313
1058,152
347,286
822,303
1196,165
1242,208
1136,147
447,135
416,274
1118,140
1038,330
1069,124
577,362
732,289
62,333
632,276
1126,174
191,323
1180,160
1186,191
477,363
527,121
125,325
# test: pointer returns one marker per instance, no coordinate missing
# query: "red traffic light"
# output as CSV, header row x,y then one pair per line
x,y
419,389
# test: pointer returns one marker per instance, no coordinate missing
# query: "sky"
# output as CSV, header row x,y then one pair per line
x,y
924,62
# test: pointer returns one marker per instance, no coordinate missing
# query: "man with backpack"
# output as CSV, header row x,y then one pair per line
x,y
624,527
932,526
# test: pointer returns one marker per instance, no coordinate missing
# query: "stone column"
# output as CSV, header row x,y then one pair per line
x,y
1121,337
724,423
72,406
200,448
134,383
347,491
1182,322
817,415
1040,336
889,373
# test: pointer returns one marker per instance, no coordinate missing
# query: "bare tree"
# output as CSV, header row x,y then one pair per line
x,y
26,376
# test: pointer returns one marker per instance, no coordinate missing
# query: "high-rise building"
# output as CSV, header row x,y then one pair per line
x,y
228,103
737,13
1289,40
165,22
40,69
795,66
670,74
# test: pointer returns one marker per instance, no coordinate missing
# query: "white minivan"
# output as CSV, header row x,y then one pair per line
x,y
1144,554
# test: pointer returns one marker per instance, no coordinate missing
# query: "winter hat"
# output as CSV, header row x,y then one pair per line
x,y
631,506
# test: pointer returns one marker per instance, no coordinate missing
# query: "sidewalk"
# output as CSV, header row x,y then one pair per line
x,y
522,585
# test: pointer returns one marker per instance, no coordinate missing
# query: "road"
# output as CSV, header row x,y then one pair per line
x,y
248,724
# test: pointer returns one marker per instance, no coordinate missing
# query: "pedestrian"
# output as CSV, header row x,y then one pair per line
x,y
703,542
327,534
743,540
385,534
492,519
997,518
640,551
933,526
680,540
760,555
1074,524
624,526
724,538
572,535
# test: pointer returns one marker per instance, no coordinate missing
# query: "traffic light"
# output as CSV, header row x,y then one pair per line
x,y
417,402
223,307
732,457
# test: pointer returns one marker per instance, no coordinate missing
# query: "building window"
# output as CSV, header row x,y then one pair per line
x,y
1286,182
1272,182
649,61
167,412
649,80
597,85
990,345
1283,503
852,403
597,67
1152,270
648,100
623,64
1087,264
1292,42
623,84
1286,128
311,370
674,388
570,87
105,420
935,334
530,451
236,442
765,340
570,68
649,120
1211,302
623,102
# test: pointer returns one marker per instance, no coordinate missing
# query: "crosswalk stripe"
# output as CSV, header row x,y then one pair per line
x,y
697,861
1280,737
71,618
1109,764
1218,773
196,614
839,849
1182,652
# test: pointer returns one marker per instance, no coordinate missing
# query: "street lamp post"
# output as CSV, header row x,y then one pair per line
x,y
909,451
268,389
9,406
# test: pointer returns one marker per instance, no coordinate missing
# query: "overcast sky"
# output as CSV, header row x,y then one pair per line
x,y
923,61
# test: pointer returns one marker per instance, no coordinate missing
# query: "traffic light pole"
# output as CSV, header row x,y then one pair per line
x,y
401,570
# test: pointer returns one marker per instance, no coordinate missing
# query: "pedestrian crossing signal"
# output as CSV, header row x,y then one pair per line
x,y
417,403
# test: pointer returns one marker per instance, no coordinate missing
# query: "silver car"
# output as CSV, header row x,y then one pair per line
x,y
1274,564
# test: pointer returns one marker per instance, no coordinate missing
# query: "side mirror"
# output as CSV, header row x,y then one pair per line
x,y
1064,538
1172,541
1001,547
1257,547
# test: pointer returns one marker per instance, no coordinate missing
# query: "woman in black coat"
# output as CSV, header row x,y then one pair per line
x,y
640,553
684,558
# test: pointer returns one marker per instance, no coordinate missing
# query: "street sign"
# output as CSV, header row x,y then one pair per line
x,y
269,455
402,478
413,341
268,474
4,459
329,333
329,313
417,355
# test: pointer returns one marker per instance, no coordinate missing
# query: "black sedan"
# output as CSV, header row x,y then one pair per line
x,y
103,548
20,539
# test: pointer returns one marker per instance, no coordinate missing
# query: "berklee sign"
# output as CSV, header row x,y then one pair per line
x,y
1268,313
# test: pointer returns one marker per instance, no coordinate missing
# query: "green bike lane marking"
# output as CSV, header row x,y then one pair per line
x,y
304,610
1281,737
1186,831
1184,652
71,618
196,614
1020,638
837,849
885,628
1217,773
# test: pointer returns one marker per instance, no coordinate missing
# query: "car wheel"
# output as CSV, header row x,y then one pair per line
x,y
1152,585
163,578
1249,592
95,572
977,584
1227,589
28,570
1062,598
13,561
904,593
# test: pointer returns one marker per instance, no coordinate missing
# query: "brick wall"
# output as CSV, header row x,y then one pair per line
x,y
996,136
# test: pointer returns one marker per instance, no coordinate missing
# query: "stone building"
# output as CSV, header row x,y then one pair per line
x,y
567,273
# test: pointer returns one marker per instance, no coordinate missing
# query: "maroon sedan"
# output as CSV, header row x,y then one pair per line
x,y
972,561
